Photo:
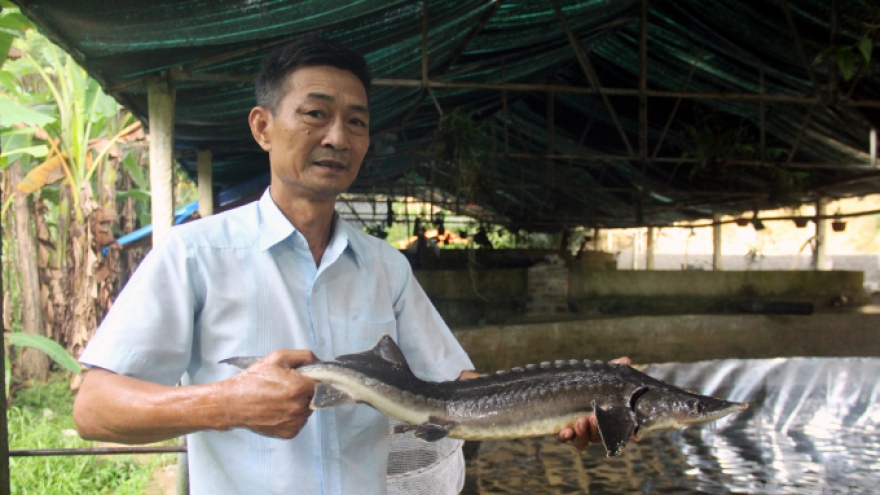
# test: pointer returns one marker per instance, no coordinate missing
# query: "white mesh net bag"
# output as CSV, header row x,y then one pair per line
x,y
419,467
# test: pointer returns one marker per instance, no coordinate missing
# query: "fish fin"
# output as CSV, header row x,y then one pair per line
x,y
398,429
327,396
616,425
241,362
432,430
385,350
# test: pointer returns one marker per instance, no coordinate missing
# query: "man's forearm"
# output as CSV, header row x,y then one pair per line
x,y
121,409
269,398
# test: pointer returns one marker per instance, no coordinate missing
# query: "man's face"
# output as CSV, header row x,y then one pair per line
x,y
319,134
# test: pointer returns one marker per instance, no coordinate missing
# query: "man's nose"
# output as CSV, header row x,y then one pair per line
x,y
336,136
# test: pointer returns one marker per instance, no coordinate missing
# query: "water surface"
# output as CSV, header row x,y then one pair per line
x,y
811,429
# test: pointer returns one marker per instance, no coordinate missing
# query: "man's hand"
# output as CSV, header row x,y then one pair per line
x,y
585,430
270,397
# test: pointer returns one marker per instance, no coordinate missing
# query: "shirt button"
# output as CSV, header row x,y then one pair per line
x,y
322,341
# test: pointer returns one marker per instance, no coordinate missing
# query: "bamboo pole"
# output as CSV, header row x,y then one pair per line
x,y
643,87
161,97
590,73
560,88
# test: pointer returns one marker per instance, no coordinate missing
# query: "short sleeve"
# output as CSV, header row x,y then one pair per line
x,y
431,350
148,332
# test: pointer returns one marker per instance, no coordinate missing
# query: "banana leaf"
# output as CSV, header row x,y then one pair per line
x,y
50,347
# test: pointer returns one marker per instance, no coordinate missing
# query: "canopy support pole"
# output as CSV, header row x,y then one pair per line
x,y
206,191
717,263
161,97
820,255
649,249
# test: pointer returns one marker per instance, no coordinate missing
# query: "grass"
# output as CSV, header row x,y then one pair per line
x,y
40,417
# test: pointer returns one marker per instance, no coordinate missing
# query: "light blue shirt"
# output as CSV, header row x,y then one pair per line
x,y
244,283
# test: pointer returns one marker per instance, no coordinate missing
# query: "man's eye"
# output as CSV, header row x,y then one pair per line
x,y
315,113
359,122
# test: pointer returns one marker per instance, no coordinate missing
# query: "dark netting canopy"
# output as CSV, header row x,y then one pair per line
x,y
556,113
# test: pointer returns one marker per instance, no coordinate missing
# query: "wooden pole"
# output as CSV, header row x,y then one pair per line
x,y
5,486
820,257
872,137
34,363
161,109
636,240
206,191
649,249
717,263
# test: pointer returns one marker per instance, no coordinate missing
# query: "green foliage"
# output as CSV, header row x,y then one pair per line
x,y
845,56
714,144
50,347
41,418
848,57
12,24
461,146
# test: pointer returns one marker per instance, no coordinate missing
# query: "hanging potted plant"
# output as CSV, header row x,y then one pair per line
x,y
838,225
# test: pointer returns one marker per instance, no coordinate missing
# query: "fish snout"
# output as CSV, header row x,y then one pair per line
x,y
706,409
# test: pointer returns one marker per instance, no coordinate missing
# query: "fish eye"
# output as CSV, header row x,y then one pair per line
x,y
697,405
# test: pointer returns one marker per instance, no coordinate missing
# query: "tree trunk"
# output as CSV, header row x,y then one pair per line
x,y
34,363
80,286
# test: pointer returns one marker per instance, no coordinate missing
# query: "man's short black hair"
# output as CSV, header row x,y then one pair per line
x,y
271,82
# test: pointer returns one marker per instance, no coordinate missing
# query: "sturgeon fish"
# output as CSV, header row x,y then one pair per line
x,y
534,400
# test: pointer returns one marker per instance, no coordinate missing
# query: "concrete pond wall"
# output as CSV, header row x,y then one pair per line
x,y
676,292
475,297
673,338
513,316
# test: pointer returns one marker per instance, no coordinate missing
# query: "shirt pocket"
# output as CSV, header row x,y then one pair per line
x,y
360,336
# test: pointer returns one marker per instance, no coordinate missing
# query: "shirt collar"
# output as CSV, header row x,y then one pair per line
x,y
275,227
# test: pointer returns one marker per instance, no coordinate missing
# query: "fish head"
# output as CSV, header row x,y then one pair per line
x,y
665,408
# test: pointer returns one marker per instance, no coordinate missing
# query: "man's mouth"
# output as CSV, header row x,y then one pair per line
x,y
329,164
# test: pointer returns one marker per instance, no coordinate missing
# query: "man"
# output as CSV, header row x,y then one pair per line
x,y
282,273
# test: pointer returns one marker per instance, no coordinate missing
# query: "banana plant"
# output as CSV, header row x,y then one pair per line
x,y
53,113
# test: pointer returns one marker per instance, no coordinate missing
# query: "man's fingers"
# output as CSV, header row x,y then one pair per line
x,y
566,434
623,360
582,433
586,432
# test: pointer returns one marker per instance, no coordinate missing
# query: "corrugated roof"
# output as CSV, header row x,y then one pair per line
x,y
708,66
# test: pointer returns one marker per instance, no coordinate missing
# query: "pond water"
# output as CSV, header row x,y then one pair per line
x,y
811,429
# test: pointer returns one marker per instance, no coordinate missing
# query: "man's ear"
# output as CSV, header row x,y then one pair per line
x,y
260,120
